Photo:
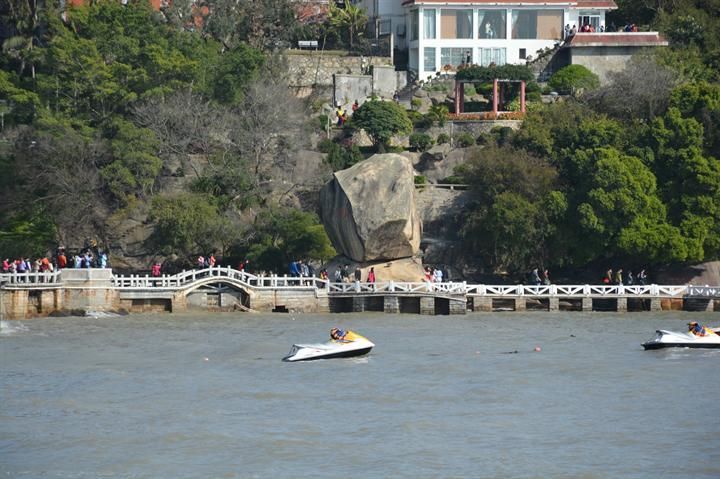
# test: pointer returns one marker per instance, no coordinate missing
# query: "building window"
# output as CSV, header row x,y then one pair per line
x,y
523,53
414,24
489,56
429,24
491,24
537,24
413,59
455,56
385,27
590,20
430,59
456,24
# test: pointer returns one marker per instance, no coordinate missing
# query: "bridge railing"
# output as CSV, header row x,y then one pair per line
x,y
577,290
180,280
30,279
397,287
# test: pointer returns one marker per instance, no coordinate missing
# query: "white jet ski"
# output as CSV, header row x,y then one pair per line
x,y
672,339
357,346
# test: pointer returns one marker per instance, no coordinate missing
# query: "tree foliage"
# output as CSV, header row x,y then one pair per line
x,y
572,79
490,73
283,235
381,120
350,17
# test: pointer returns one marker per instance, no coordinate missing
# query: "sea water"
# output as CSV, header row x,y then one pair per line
x,y
207,396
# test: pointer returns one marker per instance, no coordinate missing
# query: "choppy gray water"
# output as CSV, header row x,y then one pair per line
x,y
206,396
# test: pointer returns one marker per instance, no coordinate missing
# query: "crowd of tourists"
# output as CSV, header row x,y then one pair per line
x,y
618,278
84,259
570,32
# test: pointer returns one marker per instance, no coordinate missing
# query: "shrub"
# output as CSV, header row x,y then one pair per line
x,y
464,139
570,79
501,134
443,138
421,141
326,145
423,121
470,89
546,90
416,103
323,121
420,180
381,120
489,73
439,114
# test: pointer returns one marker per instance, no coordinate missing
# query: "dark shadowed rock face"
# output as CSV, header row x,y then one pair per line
x,y
369,209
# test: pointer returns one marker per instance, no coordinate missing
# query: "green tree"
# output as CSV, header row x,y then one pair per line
x,y
234,73
572,79
381,120
620,206
351,18
701,101
185,223
511,221
136,165
689,180
19,104
285,234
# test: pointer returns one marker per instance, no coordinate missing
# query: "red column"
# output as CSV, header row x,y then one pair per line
x,y
495,96
522,96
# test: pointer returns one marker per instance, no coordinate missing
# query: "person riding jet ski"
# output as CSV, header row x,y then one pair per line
x,y
344,336
698,329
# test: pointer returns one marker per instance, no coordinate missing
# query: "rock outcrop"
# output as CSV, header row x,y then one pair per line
x,y
369,210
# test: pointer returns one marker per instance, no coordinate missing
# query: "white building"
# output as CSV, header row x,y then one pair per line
x,y
481,32
386,17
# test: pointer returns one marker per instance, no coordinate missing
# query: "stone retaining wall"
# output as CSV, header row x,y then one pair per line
x,y
316,69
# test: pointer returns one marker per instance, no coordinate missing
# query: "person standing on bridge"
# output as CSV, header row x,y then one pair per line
x,y
642,277
371,275
618,277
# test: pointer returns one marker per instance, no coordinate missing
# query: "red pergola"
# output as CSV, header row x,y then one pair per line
x,y
460,94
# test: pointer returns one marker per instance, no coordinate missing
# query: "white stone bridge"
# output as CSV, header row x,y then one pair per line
x,y
224,288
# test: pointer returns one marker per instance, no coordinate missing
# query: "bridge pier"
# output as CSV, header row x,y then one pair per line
x,y
553,304
178,303
621,305
587,304
50,300
427,305
358,304
710,306
15,303
655,304
482,304
520,303
458,306
391,304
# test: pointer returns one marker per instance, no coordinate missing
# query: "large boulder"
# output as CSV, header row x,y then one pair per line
x,y
369,209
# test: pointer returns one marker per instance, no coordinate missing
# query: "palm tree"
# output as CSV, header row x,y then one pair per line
x,y
24,16
350,17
